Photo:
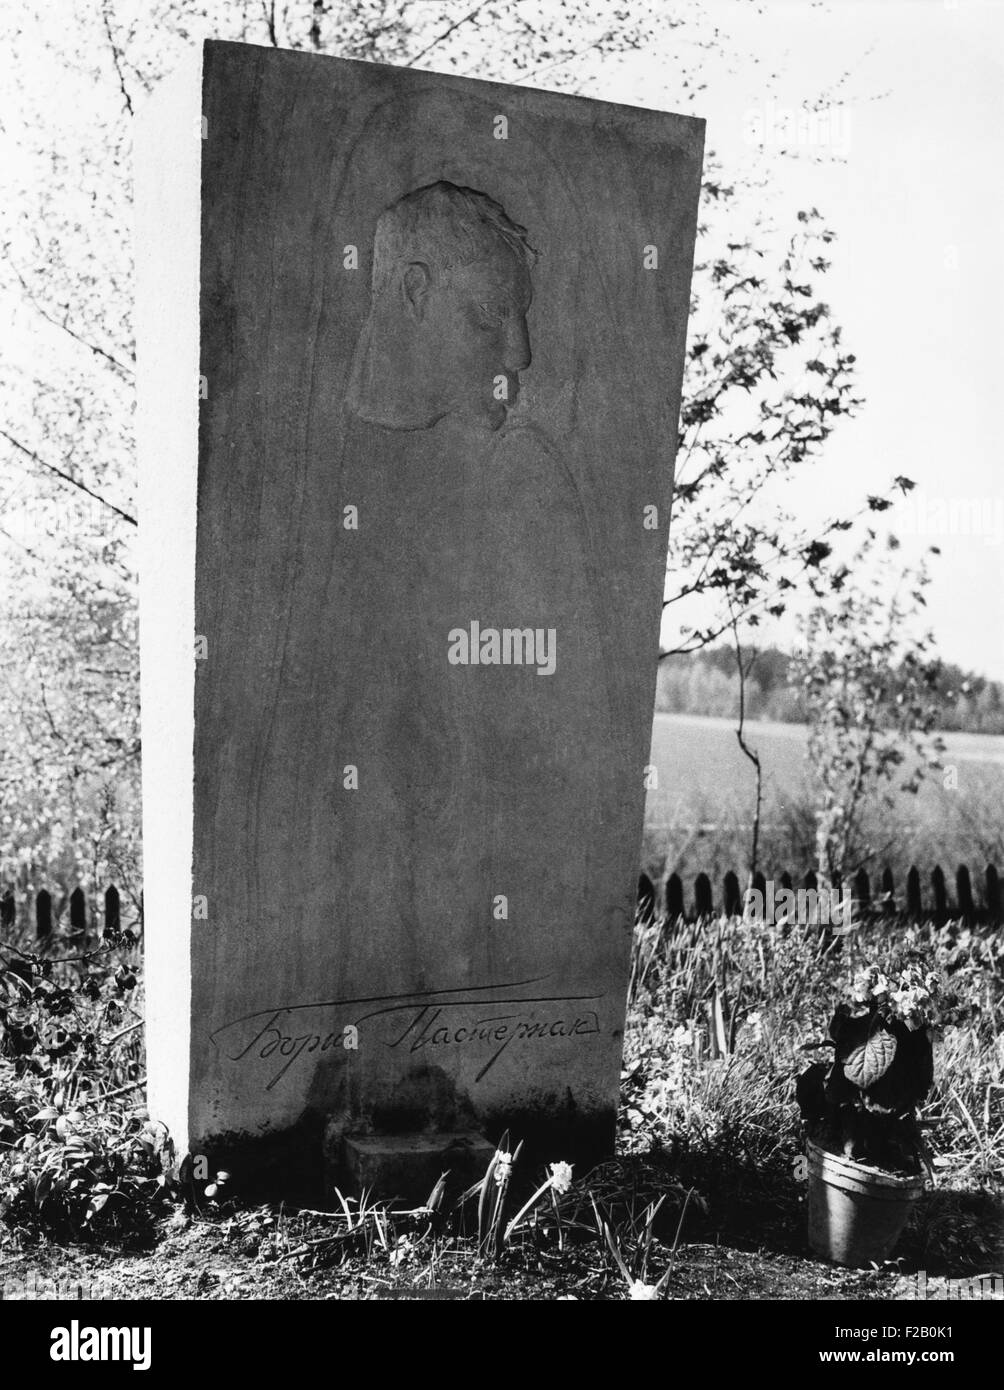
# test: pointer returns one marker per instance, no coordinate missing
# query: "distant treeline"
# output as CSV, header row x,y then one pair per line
x,y
707,682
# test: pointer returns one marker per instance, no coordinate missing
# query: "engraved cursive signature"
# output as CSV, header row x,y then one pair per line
x,y
273,1035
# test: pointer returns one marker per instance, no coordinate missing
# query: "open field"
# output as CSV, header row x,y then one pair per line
x,y
698,817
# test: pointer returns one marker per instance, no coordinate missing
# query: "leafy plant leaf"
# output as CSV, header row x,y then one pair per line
x,y
864,1065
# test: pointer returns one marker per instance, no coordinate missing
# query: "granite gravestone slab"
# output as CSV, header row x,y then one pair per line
x,y
415,516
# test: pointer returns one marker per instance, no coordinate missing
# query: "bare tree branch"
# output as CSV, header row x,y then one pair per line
x,y
268,10
66,477
751,753
116,58
457,24
40,308
315,24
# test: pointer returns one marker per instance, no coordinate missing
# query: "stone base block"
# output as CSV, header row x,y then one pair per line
x,y
408,1166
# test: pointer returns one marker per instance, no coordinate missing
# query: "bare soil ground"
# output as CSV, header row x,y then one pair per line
x,y
210,1259
196,1261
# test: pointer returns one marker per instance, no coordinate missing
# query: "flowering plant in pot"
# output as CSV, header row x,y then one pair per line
x,y
865,1150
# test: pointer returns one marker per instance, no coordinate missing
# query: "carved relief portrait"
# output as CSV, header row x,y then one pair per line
x,y
446,332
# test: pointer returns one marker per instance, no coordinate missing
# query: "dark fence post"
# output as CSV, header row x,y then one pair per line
x,y
942,908
674,897
993,894
113,907
731,898
8,910
646,898
914,906
862,888
703,902
43,914
78,913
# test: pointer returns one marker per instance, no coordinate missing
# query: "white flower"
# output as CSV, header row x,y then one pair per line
x,y
913,1002
503,1167
561,1178
639,1289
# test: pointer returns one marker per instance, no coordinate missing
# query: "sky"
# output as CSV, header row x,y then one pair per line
x,y
904,163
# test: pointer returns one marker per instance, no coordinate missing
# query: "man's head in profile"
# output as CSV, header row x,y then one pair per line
x,y
446,333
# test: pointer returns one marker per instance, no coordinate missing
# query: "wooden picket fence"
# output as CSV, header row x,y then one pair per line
x,y
979,903
82,919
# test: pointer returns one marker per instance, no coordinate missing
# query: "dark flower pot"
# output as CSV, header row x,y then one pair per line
x,y
856,1213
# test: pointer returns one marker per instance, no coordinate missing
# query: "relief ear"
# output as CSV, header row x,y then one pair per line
x,y
415,283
